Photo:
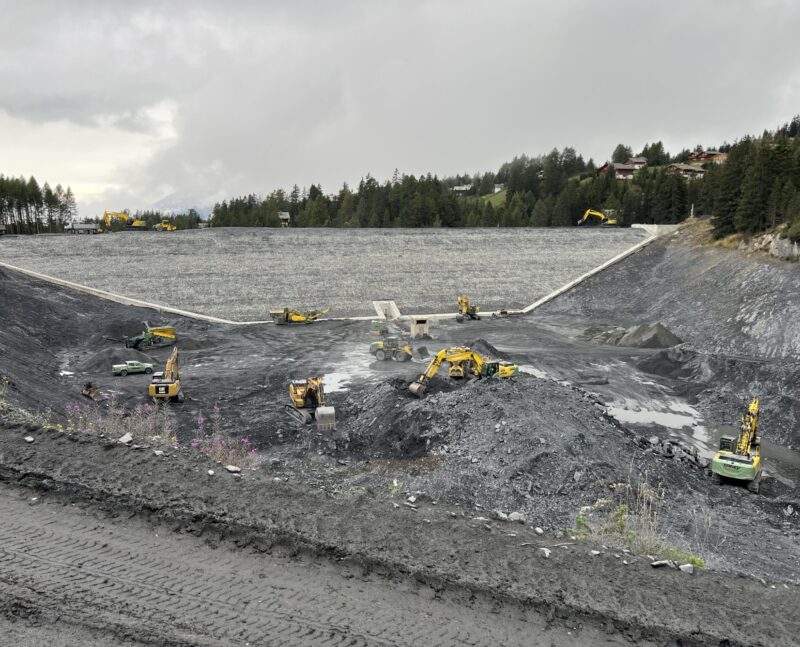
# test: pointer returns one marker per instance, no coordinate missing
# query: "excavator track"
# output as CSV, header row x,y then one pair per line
x,y
299,415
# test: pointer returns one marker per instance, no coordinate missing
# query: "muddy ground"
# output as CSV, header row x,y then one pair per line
x,y
580,424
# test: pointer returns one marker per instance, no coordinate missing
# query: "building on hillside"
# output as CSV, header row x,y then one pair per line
x,y
705,157
637,162
285,218
621,171
688,171
498,188
462,189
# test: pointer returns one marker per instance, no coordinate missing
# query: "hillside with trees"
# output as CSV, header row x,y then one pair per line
x,y
758,187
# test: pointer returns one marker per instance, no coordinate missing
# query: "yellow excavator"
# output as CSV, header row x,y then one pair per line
x,y
166,386
463,362
605,221
740,458
130,222
289,316
466,310
308,404
165,225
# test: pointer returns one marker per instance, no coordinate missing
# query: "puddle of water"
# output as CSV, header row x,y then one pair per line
x,y
336,382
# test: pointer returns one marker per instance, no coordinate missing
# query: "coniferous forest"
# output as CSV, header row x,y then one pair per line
x,y
28,208
756,188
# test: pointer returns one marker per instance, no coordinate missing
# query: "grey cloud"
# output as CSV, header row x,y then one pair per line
x,y
269,94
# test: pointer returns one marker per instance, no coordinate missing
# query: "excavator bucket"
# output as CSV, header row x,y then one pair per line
x,y
326,418
417,388
421,352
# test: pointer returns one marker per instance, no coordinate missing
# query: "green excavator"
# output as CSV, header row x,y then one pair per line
x,y
739,458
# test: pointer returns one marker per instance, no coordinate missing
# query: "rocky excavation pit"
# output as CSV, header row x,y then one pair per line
x,y
542,445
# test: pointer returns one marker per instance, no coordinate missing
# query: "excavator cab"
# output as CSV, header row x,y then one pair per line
x,y
308,404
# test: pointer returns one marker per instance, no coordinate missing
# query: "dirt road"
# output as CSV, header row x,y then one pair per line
x,y
136,582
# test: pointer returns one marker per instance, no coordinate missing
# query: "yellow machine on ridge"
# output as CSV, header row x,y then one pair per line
x,y
165,225
309,404
463,362
605,221
466,310
166,386
130,222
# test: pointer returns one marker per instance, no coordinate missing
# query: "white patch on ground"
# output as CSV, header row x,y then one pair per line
x,y
336,382
527,369
672,414
66,373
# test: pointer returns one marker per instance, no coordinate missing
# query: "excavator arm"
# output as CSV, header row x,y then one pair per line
x,y
172,369
463,361
592,213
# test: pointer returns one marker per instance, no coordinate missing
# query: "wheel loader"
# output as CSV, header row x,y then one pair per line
x,y
463,362
166,386
466,310
740,458
309,404
394,348
289,316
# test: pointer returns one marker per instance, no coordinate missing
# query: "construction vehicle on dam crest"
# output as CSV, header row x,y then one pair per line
x,y
739,458
463,363
466,310
309,404
605,221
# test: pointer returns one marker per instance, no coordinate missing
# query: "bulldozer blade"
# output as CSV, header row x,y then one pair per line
x,y
299,415
417,388
421,352
326,418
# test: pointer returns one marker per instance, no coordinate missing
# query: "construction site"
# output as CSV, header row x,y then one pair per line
x,y
612,463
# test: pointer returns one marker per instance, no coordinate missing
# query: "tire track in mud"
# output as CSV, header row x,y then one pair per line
x,y
175,590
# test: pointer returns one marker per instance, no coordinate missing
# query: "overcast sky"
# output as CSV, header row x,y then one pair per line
x,y
136,104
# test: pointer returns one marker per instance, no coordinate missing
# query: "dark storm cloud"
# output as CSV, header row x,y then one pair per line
x,y
263,95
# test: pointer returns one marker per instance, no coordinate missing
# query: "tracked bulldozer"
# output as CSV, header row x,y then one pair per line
x,y
739,458
463,363
309,404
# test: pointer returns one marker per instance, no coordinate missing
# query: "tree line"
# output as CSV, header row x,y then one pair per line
x,y
758,187
28,208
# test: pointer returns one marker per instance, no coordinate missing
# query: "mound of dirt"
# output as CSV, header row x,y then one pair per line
x,y
649,336
645,336
102,360
485,348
